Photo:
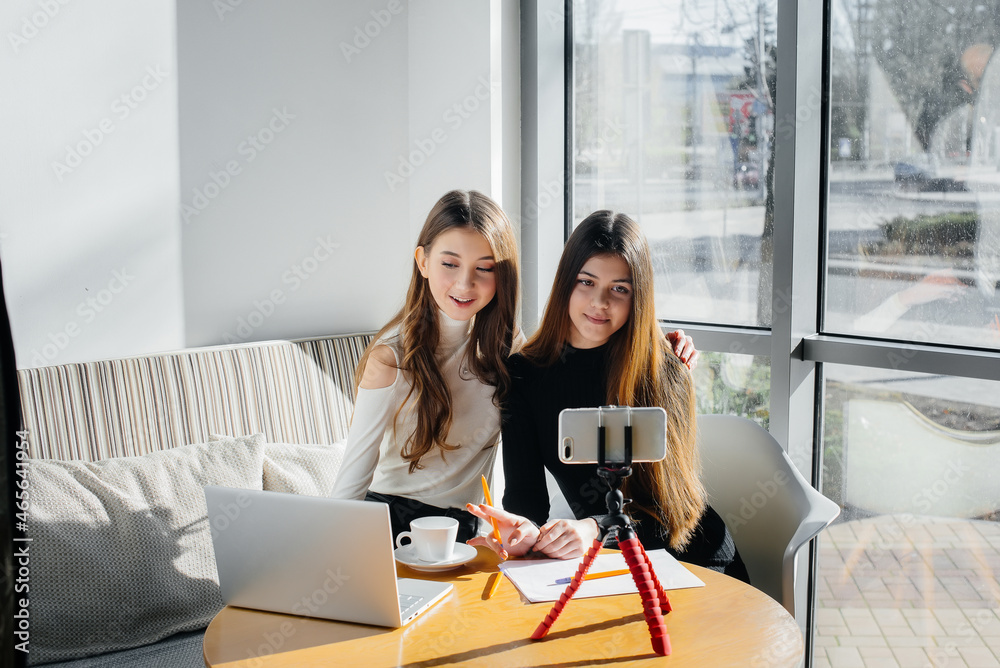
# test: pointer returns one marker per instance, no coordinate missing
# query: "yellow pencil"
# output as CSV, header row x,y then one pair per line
x,y
492,585
595,576
489,502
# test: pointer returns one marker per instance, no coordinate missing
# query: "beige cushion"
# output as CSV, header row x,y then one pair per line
x,y
308,469
302,469
121,553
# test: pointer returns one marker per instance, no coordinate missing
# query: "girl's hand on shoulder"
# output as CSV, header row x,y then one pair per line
x,y
567,539
518,533
684,348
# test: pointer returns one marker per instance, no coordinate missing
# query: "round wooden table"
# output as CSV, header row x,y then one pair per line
x,y
725,623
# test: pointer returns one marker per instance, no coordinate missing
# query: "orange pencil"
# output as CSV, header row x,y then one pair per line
x,y
493,521
492,585
595,576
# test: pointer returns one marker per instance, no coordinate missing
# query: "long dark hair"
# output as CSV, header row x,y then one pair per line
x,y
642,370
492,329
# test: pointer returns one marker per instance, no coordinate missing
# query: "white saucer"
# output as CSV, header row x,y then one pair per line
x,y
407,556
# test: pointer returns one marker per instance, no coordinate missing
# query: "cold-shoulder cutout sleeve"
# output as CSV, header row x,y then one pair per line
x,y
380,369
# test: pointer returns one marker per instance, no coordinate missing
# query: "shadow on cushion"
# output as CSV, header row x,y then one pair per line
x,y
91,601
121,552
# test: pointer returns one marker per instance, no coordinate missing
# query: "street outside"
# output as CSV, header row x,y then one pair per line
x,y
707,260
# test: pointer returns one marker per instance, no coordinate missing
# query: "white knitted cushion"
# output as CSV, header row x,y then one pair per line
x,y
121,554
302,469
308,469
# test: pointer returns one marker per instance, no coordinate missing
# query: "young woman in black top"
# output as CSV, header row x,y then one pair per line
x,y
599,344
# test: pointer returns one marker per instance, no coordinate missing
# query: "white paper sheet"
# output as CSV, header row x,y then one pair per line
x,y
536,579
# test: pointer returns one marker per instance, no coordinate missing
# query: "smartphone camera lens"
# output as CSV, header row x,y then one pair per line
x,y
567,449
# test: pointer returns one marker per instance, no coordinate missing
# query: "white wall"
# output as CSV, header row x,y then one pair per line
x,y
374,141
309,233
89,239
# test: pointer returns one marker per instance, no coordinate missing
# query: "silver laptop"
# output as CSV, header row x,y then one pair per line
x,y
312,556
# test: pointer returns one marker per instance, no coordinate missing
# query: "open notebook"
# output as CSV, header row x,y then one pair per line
x,y
541,580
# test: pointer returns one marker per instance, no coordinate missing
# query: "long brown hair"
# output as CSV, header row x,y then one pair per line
x,y
642,370
419,332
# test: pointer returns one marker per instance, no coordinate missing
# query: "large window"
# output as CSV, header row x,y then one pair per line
x,y
913,215
674,109
820,186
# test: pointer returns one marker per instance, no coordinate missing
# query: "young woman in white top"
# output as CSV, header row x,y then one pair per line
x,y
426,417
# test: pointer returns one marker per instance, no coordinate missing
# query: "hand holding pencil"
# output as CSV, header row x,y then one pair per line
x,y
513,535
493,520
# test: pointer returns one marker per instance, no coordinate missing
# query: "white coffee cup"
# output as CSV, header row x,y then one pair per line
x,y
432,537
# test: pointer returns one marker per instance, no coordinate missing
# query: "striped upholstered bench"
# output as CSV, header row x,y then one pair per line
x,y
122,569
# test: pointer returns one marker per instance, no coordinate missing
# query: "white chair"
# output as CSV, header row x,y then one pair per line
x,y
770,509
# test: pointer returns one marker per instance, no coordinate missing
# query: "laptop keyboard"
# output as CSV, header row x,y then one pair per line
x,y
407,603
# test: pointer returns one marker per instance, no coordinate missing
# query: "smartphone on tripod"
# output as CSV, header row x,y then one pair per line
x,y
579,433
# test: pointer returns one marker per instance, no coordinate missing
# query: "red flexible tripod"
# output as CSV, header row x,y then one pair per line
x,y
654,601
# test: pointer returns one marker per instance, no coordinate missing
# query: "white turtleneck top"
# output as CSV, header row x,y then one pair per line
x,y
448,479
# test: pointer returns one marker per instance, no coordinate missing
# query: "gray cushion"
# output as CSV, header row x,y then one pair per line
x,y
121,553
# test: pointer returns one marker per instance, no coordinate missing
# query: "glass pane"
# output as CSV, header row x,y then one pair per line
x,y
731,384
908,574
913,217
674,124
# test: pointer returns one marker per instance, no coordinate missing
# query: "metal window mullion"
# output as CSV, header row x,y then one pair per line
x,y
897,356
569,97
543,147
796,242
798,155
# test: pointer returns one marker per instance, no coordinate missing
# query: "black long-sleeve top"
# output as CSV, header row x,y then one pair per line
x,y
530,430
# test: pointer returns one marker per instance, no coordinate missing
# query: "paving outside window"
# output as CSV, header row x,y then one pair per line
x,y
905,591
